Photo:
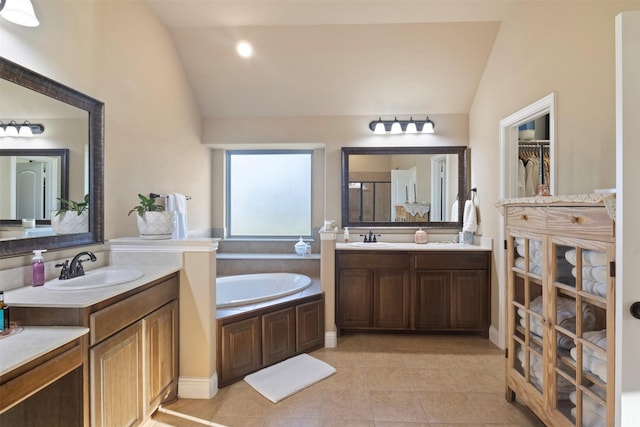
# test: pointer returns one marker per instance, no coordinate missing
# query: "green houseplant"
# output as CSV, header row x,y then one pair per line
x,y
153,221
72,216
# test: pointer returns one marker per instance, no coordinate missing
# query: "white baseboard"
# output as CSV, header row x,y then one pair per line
x,y
198,388
494,337
330,339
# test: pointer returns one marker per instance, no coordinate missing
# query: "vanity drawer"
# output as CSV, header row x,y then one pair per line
x,y
452,260
115,317
531,217
589,222
373,260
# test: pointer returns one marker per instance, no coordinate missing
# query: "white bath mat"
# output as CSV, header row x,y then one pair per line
x,y
289,376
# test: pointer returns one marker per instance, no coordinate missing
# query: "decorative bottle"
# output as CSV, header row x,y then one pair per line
x,y
37,268
4,314
420,236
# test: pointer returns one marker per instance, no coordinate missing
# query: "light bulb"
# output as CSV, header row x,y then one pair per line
x,y
244,49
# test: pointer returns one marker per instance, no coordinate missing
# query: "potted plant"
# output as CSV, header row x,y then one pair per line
x,y
153,221
72,217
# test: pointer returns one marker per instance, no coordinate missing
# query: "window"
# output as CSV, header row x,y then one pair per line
x,y
268,193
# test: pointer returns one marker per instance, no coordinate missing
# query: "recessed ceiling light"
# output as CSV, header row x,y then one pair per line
x,y
244,49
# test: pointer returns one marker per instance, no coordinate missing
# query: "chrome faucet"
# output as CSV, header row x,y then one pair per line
x,y
75,269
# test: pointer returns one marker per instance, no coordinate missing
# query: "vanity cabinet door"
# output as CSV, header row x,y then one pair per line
x,y
433,300
470,293
116,378
354,298
161,355
391,299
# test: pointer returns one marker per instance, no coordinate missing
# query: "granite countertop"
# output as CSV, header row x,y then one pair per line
x,y
28,296
28,343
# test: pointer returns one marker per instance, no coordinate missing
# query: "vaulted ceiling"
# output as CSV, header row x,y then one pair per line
x,y
333,57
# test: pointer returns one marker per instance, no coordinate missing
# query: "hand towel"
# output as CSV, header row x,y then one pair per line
x,y
454,211
469,218
177,203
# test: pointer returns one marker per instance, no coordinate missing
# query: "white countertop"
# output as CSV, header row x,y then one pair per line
x,y
28,343
28,296
481,244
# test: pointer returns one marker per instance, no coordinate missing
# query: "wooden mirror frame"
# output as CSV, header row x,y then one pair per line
x,y
462,184
19,75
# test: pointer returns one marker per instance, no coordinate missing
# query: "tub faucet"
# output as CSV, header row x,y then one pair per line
x,y
75,269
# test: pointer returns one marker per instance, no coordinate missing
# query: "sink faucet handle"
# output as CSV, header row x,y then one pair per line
x,y
64,272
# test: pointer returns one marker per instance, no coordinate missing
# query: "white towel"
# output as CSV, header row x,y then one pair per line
x,y
593,258
454,211
177,203
469,218
589,405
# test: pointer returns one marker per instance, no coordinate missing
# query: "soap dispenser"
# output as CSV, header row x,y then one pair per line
x,y
37,268
301,247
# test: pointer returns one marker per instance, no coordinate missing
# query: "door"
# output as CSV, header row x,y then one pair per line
x,y
279,336
439,188
403,188
30,184
391,299
433,300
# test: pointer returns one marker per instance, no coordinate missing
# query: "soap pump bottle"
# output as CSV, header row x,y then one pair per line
x,y
37,268
346,234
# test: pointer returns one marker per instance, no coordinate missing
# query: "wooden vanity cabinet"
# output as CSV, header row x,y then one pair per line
x,y
372,291
413,291
250,341
134,355
133,349
452,291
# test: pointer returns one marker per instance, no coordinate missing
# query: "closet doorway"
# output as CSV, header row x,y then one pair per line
x,y
514,144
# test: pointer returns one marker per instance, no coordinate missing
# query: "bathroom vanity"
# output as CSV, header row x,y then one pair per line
x,y
409,287
132,345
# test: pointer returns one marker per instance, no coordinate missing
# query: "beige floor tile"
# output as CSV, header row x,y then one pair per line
x,y
448,407
389,378
381,381
347,405
396,406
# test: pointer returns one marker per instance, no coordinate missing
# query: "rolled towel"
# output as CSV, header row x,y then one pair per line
x,y
596,273
589,257
589,419
595,288
533,267
590,404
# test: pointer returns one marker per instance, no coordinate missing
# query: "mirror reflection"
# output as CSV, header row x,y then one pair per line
x,y
31,181
402,186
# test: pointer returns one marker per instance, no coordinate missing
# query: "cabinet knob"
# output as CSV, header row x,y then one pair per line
x,y
525,217
635,309
575,219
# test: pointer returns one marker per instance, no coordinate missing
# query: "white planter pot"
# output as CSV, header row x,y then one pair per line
x,y
70,222
155,225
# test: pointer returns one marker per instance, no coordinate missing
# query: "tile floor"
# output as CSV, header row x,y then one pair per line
x,y
381,381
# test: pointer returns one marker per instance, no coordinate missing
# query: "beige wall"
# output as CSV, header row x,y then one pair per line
x,y
544,47
332,132
119,52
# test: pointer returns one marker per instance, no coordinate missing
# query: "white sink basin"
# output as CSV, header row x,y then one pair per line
x,y
99,278
372,245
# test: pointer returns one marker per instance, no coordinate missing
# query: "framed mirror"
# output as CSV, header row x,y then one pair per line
x,y
73,124
403,186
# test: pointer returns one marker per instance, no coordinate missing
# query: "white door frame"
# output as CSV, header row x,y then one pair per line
x,y
509,185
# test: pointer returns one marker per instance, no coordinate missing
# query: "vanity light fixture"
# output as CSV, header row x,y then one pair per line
x,y
26,129
396,126
244,49
19,12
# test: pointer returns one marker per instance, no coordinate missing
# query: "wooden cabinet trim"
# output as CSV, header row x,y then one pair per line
x,y
117,316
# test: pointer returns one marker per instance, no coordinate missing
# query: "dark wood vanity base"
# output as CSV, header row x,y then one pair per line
x,y
419,292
